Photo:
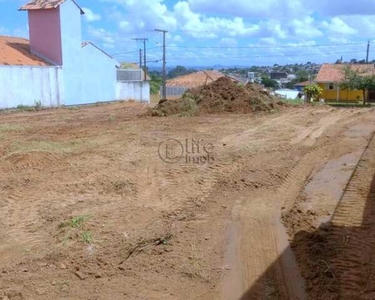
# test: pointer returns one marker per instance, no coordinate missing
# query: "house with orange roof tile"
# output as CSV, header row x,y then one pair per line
x,y
55,67
331,76
177,86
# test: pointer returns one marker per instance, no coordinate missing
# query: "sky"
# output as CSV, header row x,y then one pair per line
x,y
221,32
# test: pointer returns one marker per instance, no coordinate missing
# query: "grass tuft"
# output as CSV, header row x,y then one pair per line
x,y
75,222
86,237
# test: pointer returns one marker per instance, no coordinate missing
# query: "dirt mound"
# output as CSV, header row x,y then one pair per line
x,y
223,95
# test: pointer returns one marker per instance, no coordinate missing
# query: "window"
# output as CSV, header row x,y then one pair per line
x,y
330,86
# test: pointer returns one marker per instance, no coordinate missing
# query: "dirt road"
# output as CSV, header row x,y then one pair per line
x,y
92,207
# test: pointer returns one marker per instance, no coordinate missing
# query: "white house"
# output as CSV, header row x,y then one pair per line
x,y
56,68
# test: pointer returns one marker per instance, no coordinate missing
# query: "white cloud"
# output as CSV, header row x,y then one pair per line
x,y
342,7
102,35
249,9
336,26
297,23
90,16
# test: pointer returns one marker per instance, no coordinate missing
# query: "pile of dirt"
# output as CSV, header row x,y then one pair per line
x,y
223,95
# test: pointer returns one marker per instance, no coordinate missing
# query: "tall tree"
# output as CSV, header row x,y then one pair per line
x,y
355,80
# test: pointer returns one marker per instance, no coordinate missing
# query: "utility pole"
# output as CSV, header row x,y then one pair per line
x,y
368,52
140,61
144,40
164,96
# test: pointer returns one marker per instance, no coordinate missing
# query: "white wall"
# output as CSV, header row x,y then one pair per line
x,y
136,90
71,39
98,75
21,85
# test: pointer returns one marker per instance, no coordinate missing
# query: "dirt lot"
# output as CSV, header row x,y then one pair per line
x,y
95,206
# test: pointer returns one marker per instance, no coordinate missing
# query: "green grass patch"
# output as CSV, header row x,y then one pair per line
x,y
86,237
22,107
51,146
349,104
75,222
293,102
12,127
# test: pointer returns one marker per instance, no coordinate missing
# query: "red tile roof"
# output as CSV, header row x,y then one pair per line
x,y
305,83
336,73
16,51
195,79
46,4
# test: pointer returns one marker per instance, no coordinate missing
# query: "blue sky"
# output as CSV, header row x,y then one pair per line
x,y
231,32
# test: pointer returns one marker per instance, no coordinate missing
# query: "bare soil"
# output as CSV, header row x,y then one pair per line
x,y
90,209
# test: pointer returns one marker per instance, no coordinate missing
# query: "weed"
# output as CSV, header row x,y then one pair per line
x,y
38,105
50,146
147,242
195,268
25,107
189,105
112,118
11,127
72,107
294,102
76,222
86,237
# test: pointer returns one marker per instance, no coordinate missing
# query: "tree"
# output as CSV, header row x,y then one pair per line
x,y
269,83
302,75
155,83
179,71
355,80
312,91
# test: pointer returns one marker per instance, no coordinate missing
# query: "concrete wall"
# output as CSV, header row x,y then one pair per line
x,y
138,91
21,85
71,38
45,34
99,76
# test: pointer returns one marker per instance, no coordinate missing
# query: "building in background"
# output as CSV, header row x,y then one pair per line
x,y
176,87
331,75
55,67
278,75
301,85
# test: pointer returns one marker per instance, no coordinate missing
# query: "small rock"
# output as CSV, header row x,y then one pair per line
x,y
40,292
62,266
206,238
121,268
25,270
80,275
98,275
224,206
54,282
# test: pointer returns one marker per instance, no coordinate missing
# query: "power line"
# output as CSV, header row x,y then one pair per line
x,y
261,56
263,47
134,51
240,47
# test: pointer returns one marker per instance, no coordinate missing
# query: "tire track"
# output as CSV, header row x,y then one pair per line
x,y
353,231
